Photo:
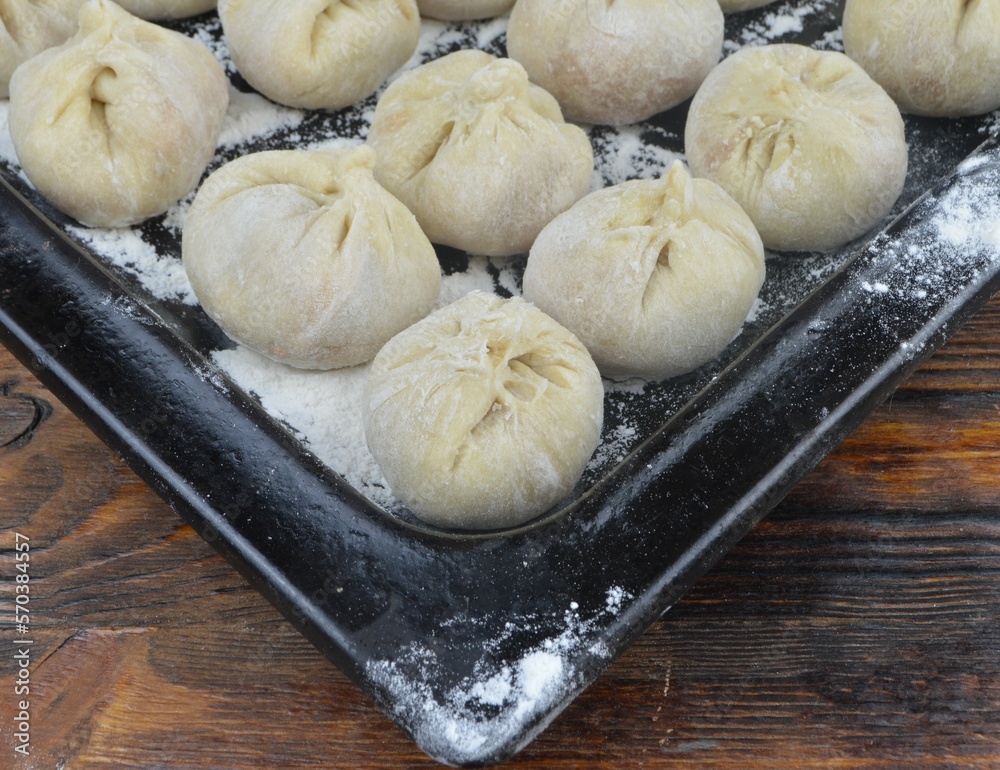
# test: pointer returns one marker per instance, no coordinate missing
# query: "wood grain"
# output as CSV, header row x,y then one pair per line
x,y
856,627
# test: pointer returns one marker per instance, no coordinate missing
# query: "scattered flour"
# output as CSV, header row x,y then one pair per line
x,y
250,114
956,241
970,216
992,124
209,33
322,408
783,23
457,285
125,248
478,716
630,152
615,446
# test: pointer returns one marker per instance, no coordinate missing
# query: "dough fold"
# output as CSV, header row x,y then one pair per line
x,y
616,62
482,157
654,276
810,146
28,27
120,121
319,54
937,58
484,414
303,257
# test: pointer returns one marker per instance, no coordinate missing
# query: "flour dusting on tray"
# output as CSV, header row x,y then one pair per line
x,y
780,22
482,712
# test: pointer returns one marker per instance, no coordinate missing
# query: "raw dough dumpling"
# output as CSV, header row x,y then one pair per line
x,y
616,63
158,10
734,6
120,121
482,157
655,276
28,27
303,257
461,10
809,145
938,58
319,54
484,414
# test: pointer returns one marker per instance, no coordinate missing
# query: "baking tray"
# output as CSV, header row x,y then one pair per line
x,y
473,643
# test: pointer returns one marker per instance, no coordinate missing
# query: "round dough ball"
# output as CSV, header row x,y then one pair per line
x,y
28,27
160,10
484,414
809,145
655,276
934,58
120,121
463,10
616,63
482,157
734,6
303,257
319,54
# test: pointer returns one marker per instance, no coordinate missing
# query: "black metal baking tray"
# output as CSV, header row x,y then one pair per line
x,y
473,643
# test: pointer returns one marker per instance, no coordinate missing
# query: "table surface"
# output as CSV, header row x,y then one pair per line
x,y
858,626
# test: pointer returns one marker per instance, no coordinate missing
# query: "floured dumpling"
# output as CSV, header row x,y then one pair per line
x,y
119,122
28,27
484,414
482,157
319,54
159,10
938,58
809,145
655,276
303,257
616,63
733,6
461,10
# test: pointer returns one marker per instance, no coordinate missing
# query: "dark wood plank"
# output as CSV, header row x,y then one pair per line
x,y
856,627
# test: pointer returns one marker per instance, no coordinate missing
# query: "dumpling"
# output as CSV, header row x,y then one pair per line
x,y
482,157
461,10
159,10
809,145
303,257
733,6
119,122
934,58
28,27
319,54
616,63
654,276
484,414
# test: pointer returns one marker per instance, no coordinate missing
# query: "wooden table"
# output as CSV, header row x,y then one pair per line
x,y
856,627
